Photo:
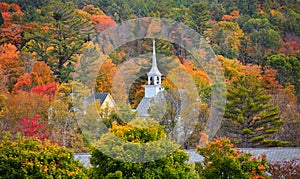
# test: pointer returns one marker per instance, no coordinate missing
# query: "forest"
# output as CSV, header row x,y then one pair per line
x,y
45,44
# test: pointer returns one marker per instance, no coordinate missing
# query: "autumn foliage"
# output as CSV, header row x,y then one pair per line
x,y
39,76
10,64
42,43
31,127
221,160
140,150
48,90
285,169
31,158
11,30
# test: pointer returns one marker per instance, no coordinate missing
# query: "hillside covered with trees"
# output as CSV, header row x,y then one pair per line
x,y
45,44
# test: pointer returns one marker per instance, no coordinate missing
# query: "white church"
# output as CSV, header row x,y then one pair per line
x,y
153,90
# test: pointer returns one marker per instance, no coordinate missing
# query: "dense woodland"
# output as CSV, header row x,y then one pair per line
x,y
256,41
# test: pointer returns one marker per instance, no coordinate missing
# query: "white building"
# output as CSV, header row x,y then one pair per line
x,y
153,90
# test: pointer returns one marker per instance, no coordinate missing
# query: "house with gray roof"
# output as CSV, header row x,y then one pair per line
x,y
105,100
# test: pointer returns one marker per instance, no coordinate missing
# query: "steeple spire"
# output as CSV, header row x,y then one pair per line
x,y
152,89
154,70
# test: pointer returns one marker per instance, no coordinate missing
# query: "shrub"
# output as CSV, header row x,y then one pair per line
x,y
32,158
139,150
221,160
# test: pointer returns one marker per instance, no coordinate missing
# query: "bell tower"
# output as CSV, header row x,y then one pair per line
x,y
154,78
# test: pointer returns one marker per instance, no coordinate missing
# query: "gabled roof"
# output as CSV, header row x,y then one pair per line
x,y
101,96
146,103
143,107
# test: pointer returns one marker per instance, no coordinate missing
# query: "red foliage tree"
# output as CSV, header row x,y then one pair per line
x,y
48,90
289,48
11,33
30,127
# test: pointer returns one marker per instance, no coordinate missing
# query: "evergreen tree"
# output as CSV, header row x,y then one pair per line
x,y
87,61
61,36
198,17
249,118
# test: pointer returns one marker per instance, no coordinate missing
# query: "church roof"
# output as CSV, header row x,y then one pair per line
x,y
154,70
146,103
143,107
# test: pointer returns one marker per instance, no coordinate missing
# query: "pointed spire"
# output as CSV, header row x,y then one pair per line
x,y
154,55
154,70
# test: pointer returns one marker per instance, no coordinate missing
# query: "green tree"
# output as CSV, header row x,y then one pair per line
x,y
119,10
247,7
249,118
198,15
228,37
264,38
129,151
60,38
86,71
287,70
32,158
222,161
291,22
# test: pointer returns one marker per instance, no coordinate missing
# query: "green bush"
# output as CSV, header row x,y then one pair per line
x,y
139,150
32,158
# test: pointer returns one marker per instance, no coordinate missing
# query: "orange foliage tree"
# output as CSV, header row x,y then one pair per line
x,y
100,20
40,75
22,105
269,81
10,64
105,76
11,30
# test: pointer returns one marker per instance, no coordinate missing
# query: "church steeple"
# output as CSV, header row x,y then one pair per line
x,y
153,90
154,78
154,70
154,75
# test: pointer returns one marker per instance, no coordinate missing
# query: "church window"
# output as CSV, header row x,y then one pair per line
x,y
151,81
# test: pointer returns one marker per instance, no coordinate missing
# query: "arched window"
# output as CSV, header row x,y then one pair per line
x,y
151,81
